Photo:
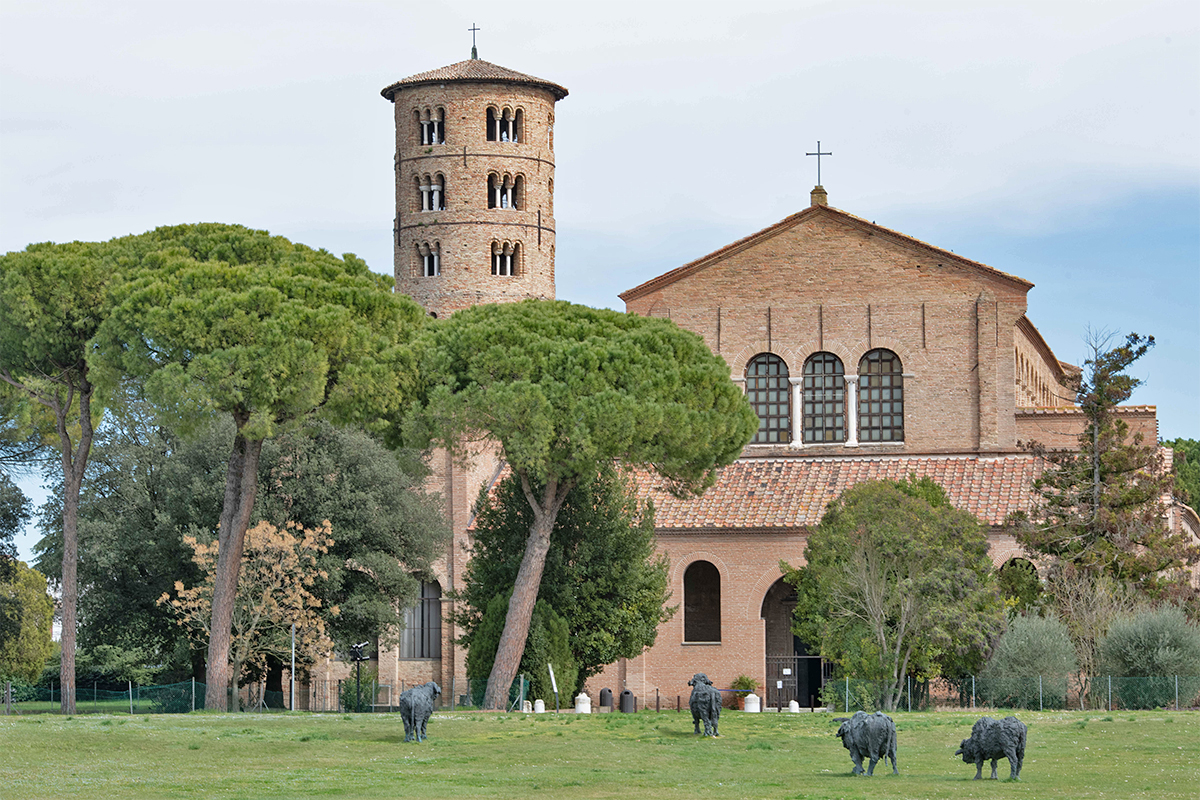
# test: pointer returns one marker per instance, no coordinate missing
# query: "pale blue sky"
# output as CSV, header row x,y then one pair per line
x,y
1059,141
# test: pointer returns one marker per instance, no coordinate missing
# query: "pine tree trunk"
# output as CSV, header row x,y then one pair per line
x,y
525,592
74,463
241,486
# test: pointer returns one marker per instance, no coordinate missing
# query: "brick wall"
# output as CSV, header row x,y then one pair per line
x,y
822,284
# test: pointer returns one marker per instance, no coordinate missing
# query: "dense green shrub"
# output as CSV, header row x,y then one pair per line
x,y
1032,647
1156,646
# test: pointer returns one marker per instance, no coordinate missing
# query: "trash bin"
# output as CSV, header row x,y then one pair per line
x,y
606,697
627,702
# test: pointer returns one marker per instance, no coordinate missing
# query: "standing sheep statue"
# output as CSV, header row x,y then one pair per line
x,y
995,740
870,735
705,703
416,707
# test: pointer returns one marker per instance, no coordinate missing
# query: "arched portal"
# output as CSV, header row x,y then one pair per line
x,y
795,670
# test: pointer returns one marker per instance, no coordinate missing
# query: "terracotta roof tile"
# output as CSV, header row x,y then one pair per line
x,y
788,493
474,70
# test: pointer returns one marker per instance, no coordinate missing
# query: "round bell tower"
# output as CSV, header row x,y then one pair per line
x,y
474,185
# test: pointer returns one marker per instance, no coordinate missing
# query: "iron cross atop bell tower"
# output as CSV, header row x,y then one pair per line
x,y
475,53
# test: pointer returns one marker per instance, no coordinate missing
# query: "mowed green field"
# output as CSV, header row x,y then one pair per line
x,y
645,755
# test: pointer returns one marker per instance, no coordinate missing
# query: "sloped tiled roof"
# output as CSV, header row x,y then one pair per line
x,y
716,256
474,70
789,493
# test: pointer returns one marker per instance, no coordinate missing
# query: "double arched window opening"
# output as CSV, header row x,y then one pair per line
x,y
832,409
432,125
431,190
504,125
506,191
506,258
430,256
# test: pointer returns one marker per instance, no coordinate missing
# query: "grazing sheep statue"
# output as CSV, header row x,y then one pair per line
x,y
416,707
705,703
870,735
995,740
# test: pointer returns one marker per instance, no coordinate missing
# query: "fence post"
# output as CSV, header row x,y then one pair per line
x,y
1176,692
847,694
1110,694
972,692
1040,707
909,692
130,697
8,697
193,693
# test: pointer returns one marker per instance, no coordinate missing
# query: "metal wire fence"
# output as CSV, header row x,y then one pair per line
x,y
1038,692
178,698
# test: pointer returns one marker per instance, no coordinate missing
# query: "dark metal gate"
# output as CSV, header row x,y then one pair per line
x,y
796,678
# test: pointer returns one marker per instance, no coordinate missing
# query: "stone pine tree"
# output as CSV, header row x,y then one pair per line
x,y
561,389
53,297
1099,508
224,320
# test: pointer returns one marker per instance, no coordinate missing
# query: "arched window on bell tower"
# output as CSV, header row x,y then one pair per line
x,y
506,258
506,191
432,191
430,257
431,124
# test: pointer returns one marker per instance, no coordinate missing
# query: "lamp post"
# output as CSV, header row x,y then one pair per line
x,y
356,653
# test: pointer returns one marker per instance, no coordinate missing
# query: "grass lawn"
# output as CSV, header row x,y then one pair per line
x,y
646,755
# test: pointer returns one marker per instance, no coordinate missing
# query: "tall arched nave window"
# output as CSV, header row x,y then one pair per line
x,y
824,399
701,603
880,397
770,396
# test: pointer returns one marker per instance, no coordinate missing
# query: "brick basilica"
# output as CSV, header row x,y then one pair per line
x,y
866,353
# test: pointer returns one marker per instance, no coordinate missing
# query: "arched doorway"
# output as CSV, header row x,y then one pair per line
x,y
795,670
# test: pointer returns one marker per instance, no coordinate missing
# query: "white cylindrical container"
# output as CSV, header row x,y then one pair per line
x,y
583,703
753,703
794,707
539,706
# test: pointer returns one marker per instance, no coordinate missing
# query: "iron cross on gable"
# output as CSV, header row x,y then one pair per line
x,y
818,154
